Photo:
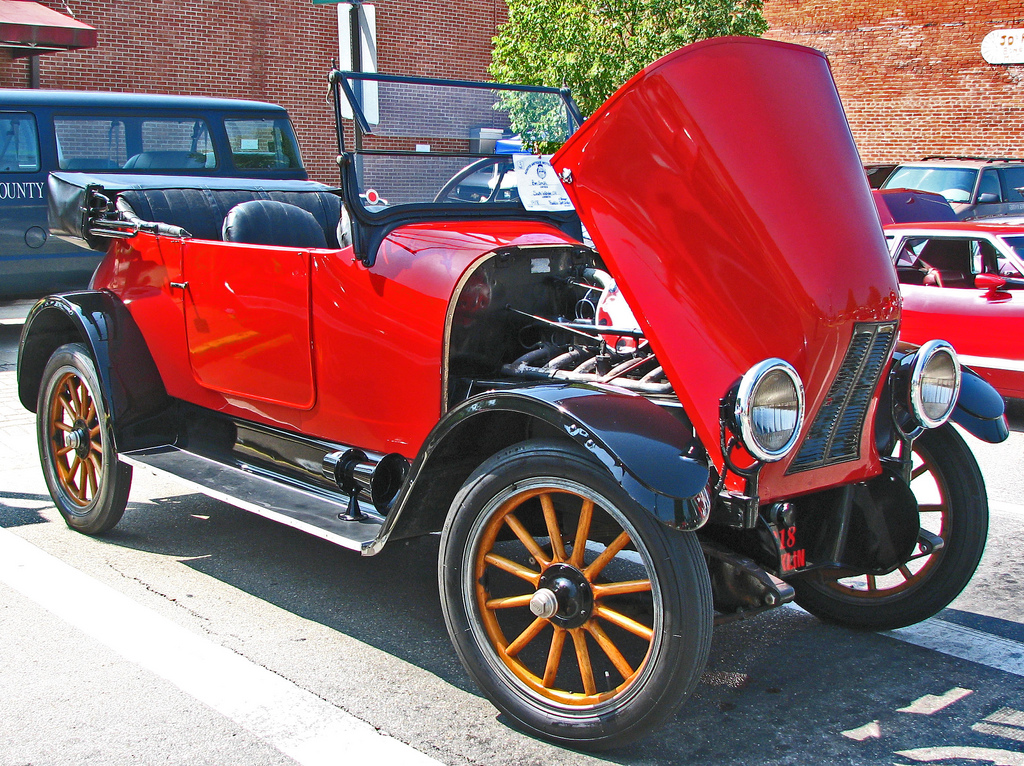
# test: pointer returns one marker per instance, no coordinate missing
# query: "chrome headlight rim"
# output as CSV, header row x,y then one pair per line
x,y
744,409
922,357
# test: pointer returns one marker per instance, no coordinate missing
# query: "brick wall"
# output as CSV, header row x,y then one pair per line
x,y
911,74
278,51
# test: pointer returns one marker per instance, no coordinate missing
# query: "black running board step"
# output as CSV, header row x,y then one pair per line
x,y
263,495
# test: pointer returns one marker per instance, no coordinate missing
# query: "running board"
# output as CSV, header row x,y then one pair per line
x,y
263,495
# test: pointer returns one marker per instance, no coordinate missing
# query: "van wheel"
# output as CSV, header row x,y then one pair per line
x,y
580,616
87,482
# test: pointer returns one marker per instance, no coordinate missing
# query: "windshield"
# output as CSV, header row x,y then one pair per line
x,y
418,140
263,144
1017,243
955,184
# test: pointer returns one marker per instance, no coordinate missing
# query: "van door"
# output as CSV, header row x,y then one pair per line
x,y
31,261
23,230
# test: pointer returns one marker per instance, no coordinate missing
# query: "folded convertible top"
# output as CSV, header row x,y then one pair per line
x,y
78,200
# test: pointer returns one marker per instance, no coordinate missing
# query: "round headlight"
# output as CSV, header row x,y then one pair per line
x,y
770,409
934,383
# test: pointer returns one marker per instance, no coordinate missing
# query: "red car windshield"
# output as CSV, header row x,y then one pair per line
x,y
417,140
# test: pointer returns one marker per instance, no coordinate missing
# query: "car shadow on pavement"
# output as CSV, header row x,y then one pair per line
x,y
1015,414
18,509
389,601
826,679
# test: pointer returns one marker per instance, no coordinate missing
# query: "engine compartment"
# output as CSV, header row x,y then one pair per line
x,y
529,314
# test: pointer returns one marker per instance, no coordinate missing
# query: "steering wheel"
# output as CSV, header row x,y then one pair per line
x,y
504,167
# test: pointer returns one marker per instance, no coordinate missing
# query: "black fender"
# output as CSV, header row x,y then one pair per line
x,y
130,383
980,409
653,456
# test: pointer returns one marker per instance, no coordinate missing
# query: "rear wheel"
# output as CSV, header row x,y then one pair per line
x,y
578,614
953,505
88,484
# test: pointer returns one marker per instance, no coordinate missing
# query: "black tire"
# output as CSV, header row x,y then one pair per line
x,y
87,482
945,471
537,679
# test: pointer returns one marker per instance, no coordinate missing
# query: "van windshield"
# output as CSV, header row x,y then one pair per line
x,y
263,144
19,144
134,143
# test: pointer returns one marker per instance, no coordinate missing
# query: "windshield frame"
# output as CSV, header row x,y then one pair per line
x,y
371,224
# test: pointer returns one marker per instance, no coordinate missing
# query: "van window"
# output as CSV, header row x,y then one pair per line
x,y
19,143
266,144
114,143
90,143
1013,181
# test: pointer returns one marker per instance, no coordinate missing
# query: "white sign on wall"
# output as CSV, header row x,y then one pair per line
x,y
1003,46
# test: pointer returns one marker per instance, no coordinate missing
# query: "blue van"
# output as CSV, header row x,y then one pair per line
x,y
117,133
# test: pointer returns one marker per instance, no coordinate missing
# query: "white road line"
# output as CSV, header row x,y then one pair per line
x,y
295,721
868,731
1005,722
930,704
957,753
965,643
998,505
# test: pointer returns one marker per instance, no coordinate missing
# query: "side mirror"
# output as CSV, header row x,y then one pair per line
x,y
994,282
988,197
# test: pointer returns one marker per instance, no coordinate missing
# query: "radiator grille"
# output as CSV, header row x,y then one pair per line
x,y
835,434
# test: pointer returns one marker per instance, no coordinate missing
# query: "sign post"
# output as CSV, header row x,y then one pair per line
x,y
357,51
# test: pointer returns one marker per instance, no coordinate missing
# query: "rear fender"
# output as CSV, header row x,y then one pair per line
x,y
652,455
130,383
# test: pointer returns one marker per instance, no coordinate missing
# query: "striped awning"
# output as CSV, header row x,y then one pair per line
x,y
28,28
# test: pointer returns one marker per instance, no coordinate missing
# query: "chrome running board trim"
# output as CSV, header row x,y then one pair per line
x,y
264,495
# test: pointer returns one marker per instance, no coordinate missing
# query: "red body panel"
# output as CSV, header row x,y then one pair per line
x,y
723,188
983,326
377,335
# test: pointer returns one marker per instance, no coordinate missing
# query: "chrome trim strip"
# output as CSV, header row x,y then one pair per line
x,y
297,508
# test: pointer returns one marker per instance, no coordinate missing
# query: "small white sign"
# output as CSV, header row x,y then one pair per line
x,y
539,187
1003,46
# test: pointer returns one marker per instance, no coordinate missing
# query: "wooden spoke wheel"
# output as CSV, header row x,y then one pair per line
x,y
580,615
953,505
87,483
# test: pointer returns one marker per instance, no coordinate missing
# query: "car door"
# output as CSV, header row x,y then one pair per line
x,y
940,300
248,321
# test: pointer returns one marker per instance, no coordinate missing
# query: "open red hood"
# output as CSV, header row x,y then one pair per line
x,y
722,187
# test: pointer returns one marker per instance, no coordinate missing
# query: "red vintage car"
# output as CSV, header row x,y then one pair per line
x,y
963,281
696,413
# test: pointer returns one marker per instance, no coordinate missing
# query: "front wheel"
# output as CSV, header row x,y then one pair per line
x,y
578,614
88,484
953,504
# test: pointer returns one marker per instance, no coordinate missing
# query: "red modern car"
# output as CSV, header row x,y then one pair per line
x,y
702,415
963,282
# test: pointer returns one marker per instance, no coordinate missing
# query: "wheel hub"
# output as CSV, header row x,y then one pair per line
x,y
564,596
78,438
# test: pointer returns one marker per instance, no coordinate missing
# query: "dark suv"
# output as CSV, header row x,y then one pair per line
x,y
974,186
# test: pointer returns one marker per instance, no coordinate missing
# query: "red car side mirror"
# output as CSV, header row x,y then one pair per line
x,y
994,282
989,281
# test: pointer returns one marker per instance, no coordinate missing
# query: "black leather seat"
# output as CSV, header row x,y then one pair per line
x,y
201,212
948,262
268,222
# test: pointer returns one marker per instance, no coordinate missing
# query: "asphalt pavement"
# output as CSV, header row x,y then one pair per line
x,y
195,633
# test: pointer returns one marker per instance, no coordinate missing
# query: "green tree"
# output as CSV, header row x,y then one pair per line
x,y
594,46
